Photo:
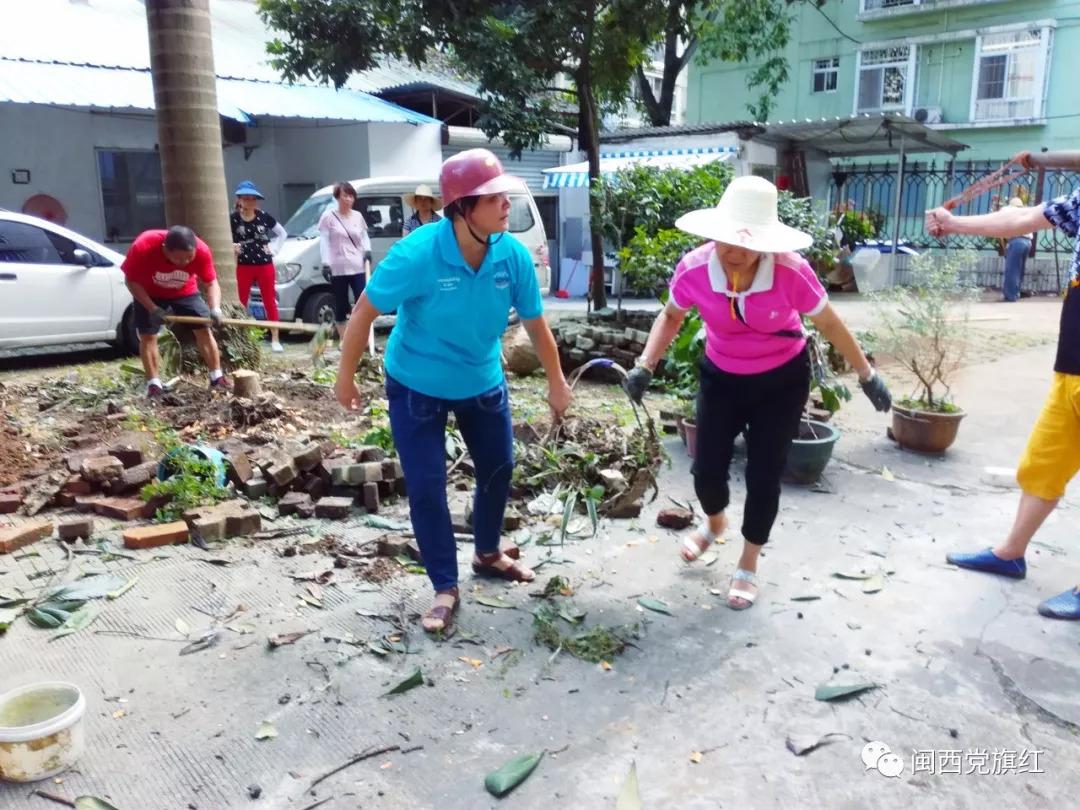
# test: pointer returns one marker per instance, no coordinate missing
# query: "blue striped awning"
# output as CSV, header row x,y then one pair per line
x,y
576,175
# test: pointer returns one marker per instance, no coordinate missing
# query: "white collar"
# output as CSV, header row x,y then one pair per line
x,y
763,280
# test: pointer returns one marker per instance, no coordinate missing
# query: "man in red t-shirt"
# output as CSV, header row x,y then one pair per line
x,y
161,269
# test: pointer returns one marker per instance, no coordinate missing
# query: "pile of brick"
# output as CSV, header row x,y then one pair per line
x,y
316,478
580,341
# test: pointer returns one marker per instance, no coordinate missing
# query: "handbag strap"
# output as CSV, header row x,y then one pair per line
x,y
345,229
788,333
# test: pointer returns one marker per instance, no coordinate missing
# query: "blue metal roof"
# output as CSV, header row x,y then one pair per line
x,y
110,88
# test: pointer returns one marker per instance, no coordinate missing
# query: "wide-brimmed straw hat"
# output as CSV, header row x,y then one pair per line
x,y
746,217
422,190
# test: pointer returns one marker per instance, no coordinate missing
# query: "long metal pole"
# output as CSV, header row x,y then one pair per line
x,y
896,219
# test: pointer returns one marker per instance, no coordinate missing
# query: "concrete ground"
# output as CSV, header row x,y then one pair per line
x,y
703,704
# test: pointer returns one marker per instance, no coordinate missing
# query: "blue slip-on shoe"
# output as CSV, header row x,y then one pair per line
x,y
989,562
1063,606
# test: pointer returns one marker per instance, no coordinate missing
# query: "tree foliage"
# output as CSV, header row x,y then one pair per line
x,y
750,31
517,51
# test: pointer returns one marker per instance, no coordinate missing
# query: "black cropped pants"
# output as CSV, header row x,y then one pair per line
x,y
768,407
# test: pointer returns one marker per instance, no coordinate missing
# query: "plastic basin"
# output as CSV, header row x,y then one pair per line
x,y
211,454
41,730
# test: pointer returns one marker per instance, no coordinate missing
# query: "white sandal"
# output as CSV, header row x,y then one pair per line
x,y
749,577
692,550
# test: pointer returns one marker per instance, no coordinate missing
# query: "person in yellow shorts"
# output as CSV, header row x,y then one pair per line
x,y
1052,456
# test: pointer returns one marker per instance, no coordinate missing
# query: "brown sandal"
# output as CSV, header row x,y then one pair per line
x,y
510,550
442,613
484,566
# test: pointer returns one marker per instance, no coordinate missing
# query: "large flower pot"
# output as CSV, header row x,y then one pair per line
x,y
925,431
810,451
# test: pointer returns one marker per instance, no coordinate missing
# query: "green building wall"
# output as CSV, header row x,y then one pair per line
x,y
944,71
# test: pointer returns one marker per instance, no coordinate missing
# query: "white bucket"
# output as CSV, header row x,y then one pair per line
x,y
41,730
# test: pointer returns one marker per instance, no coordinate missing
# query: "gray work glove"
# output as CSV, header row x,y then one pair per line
x,y
637,382
217,318
877,392
159,314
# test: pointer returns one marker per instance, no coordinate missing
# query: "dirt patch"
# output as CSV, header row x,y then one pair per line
x,y
15,462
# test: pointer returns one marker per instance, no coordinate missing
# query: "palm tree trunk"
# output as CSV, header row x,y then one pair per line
x,y
189,128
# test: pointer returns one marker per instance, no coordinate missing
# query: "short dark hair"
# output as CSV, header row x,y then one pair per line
x,y
344,187
180,237
461,206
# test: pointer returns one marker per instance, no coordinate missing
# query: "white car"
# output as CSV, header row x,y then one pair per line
x,y
57,287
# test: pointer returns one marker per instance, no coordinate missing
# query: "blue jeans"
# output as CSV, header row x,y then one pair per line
x,y
1016,254
418,423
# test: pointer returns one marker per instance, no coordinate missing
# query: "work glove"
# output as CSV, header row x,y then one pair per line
x,y
159,314
876,391
637,382
217,318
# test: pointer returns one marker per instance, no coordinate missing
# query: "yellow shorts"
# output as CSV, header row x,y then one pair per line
x,y
1052,456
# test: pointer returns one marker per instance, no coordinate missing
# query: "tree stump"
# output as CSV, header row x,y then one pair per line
x,y
246,383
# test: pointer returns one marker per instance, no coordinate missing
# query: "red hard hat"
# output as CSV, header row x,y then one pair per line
x,y
473,173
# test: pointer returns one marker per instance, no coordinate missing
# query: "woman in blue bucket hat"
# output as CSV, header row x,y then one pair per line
x,y
257,236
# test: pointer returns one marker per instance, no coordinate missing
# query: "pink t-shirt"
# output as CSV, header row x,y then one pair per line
x,y
784,288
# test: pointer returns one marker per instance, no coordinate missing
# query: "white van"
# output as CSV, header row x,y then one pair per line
x,y
303,293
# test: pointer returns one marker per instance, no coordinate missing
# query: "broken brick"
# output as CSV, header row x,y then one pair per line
x,y
160,534
396,546
122,508
238,467
307,457
75,458
256,487
391,469
9,503
242,521
370,453
101,469
332,508
292,501
78,528
282,471
15,537
88,503
76,485
373,471
675,517
211,529
134,478
314,486
512,520
370,494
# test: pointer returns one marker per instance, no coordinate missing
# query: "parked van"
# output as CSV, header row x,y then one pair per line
x,y
303,293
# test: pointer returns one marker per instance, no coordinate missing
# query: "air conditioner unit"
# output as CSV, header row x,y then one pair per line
x,y
928,115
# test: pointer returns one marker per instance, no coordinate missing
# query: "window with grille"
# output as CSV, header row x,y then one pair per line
x,y
826,72
874,5
884,78
1009,75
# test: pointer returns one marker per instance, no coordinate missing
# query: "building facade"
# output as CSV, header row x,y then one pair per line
x,y
995,74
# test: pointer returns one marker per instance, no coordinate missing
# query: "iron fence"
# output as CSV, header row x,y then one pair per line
x,y
871,188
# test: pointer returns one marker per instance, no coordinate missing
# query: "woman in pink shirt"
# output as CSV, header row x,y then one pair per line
x,y
346,249
752,291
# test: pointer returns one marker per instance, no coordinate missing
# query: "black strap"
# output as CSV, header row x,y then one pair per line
x,y
346,230
788,333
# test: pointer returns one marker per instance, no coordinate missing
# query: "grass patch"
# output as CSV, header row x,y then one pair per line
x,y
594,645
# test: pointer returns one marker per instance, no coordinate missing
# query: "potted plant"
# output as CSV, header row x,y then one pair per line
x,y
812,446
924,327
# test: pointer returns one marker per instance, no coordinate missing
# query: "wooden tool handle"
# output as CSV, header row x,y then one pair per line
x,y
285,326
1068,161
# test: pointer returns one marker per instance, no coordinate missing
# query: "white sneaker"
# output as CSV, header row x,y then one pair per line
x,y
276,347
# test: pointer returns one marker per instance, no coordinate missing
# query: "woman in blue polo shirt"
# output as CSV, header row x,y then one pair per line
x,y
453,285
